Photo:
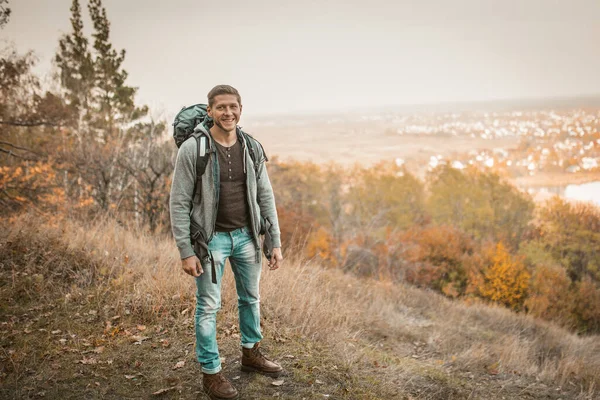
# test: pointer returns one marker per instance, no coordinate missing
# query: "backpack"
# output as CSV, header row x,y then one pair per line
x,y
187,123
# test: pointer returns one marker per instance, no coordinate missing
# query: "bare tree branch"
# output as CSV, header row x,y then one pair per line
x,y
19,147
29,124
11,153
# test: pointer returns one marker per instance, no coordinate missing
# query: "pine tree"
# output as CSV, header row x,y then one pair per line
x,y
114,99
4,13
76,67
95,86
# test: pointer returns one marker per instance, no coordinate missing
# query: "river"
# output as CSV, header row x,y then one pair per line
x,y
589,192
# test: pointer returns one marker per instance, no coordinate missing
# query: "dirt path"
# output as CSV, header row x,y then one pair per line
x,y
73,350
67,335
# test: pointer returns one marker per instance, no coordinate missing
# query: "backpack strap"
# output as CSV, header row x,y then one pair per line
x,y
204,150
253,150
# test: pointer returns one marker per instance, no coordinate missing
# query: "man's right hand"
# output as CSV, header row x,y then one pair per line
x,y
192,266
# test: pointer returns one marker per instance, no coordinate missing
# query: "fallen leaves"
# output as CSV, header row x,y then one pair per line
x,y
97,350
280,339
277,382
137,339
87,361
179,364
493,369
165,390
130,377
232,331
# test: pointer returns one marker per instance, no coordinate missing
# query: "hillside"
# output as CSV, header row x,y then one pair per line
x,y
99,311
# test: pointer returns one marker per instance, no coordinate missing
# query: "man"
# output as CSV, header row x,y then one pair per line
x,y
236,198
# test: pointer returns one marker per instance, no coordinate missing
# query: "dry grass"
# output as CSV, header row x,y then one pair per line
x,y
410,339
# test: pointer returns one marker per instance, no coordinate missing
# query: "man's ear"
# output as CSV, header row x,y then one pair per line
x,y
209,111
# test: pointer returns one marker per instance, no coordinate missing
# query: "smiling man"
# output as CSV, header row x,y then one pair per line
x,y
236,205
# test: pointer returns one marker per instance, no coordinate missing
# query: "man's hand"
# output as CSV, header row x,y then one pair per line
x,y
276,260
192,266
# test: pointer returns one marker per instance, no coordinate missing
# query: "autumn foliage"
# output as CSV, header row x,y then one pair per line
x,y
505,279
467,234
87,149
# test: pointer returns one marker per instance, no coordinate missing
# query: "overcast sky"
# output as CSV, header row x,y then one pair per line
x,y
290,56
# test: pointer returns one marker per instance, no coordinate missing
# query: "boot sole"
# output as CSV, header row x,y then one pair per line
x,y
276,374
213,396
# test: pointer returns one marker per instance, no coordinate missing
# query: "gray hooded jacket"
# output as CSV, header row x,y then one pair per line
x,y
261,201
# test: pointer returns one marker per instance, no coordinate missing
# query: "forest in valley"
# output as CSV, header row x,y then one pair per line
x,y
82,148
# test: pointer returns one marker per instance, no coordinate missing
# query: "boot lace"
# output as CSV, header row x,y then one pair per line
x,y
217,379
258,353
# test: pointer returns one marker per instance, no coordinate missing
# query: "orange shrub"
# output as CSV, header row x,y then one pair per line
x,y
550,296
30,184
587,306
506,280
320,245
295,226
439,257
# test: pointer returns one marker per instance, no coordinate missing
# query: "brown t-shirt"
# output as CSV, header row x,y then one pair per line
x,y
233,205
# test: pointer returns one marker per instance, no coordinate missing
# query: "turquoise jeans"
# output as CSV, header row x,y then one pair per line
x,y
239,247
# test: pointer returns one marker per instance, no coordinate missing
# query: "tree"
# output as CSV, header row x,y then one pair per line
x,y
456,199
440,257
114,100
480,203
386,195
109,125
311,197
28,126
4,13
506,280
512,210
550,295
21,102
74,61
587,306
571,233
150,165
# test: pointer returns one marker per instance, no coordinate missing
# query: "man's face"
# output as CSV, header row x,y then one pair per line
x,y
225,111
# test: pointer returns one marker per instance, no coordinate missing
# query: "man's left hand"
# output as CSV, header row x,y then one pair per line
x,y
276,260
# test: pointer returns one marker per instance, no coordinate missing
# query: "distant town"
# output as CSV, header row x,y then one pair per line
x,y
539,148
550,141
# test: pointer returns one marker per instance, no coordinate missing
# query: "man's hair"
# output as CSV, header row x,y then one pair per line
x,y
222,89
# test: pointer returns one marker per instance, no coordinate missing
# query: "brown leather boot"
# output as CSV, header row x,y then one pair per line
x,y
217,387
254,361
